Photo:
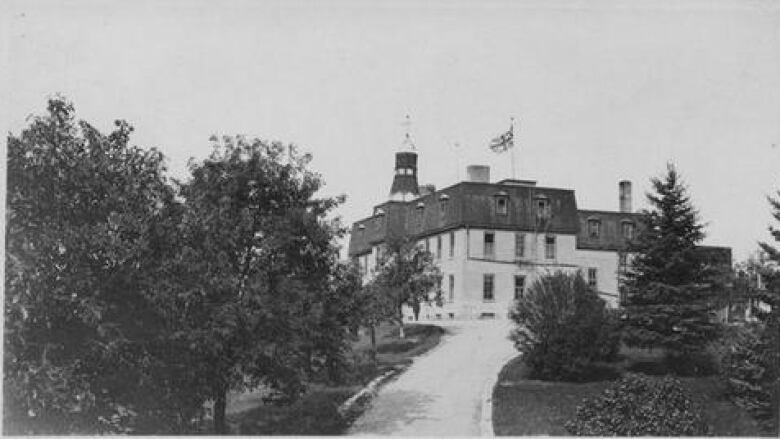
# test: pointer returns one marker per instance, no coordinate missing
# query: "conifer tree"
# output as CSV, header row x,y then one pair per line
x,y
771,295
667,302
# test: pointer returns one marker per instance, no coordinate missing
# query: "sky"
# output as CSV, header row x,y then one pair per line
x,y
602,90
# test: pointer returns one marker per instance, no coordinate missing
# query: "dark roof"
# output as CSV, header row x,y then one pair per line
x,y
715,256
470,204
611,234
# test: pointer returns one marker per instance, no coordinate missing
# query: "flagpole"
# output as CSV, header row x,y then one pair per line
x,y
512,130
457,162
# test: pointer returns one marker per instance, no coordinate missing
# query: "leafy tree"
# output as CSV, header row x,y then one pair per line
x,y
375,306
563,327
408,277
667,302
81,209
252,289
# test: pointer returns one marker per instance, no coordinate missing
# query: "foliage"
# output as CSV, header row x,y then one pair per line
x,y
747,372
751,367
79,333
408,276
256,296
563,328
667,303
131,301
638,405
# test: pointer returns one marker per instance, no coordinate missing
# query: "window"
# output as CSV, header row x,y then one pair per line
x,y
489,249
542,208
487,287
438,246
365,265
376,257
519,245
452,244
594,228
444,201
501,205
427,244
519,286
549,247
592,282
451,295
628,230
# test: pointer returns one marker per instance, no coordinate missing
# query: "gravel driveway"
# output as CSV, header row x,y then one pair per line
x,y
440,394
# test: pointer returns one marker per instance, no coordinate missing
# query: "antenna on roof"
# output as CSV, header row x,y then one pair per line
x,y
407,124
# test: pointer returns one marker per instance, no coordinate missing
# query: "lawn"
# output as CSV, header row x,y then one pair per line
x,y
531,407
316,412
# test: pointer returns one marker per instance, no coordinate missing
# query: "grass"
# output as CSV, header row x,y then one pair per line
x,y
531,407
316,412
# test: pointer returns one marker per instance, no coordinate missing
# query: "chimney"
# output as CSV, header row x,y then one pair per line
x,y
478,173
625,196
427,189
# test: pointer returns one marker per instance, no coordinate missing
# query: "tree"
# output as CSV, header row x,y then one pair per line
x,y
770,296
755,364
563,327
667,302
408,277
252,276
81,209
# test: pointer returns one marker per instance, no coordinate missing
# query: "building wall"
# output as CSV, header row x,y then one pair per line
x,y
469,264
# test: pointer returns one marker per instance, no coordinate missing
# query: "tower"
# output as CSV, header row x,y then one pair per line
x,y
405,185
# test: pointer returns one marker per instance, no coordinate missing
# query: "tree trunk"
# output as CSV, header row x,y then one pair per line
x,y
373,344
220,403
401,323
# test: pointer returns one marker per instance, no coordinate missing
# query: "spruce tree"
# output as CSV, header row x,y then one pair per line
x,y
666,301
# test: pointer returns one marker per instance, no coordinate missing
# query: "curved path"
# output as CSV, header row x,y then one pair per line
x,y
440,394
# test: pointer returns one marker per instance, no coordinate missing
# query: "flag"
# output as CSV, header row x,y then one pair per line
x,y
503,142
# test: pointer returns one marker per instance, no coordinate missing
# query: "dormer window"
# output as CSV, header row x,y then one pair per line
x,y
444,201
502,203
542,207
628,230
594,228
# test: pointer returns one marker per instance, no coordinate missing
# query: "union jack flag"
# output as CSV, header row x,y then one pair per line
x,y
503,142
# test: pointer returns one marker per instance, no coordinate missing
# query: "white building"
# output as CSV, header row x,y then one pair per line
x,y
491,240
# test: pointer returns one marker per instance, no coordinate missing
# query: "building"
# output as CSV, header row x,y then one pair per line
x,y
491,240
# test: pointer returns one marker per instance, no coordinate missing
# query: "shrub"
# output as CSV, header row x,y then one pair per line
x,y
563,328
397,346
638,405
749,371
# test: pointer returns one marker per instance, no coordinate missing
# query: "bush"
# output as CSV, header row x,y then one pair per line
x,y
749,371
638,405
397,346
702,363
563,328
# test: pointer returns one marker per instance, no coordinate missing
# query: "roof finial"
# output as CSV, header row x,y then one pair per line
x,y
407,123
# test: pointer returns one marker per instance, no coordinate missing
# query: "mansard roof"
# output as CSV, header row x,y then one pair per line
x,y
611,234
467,204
